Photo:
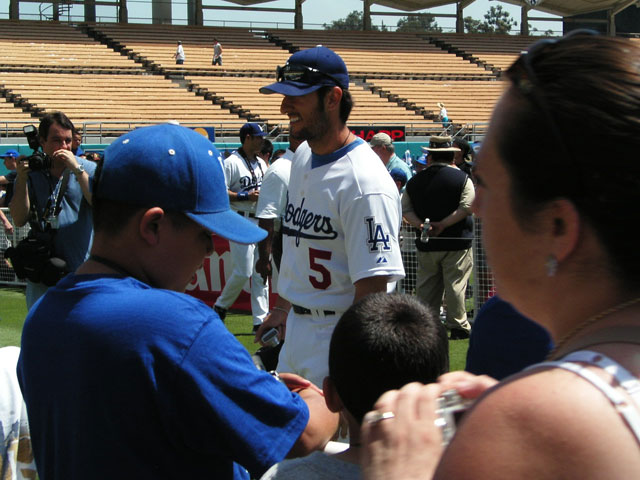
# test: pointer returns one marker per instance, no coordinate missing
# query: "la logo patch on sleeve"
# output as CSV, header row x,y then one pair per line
x,y
377,238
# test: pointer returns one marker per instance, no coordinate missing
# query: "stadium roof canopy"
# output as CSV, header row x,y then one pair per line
x,y
557,7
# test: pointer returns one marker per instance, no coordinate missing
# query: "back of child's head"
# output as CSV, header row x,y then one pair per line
x,y
382,343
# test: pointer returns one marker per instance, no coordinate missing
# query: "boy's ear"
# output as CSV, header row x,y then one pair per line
x,y
149,226
331,397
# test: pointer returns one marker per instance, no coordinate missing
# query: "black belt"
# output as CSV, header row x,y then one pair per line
x,y
305,311
246,214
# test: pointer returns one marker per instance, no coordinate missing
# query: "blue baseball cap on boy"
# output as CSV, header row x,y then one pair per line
x,y
308,70
177,169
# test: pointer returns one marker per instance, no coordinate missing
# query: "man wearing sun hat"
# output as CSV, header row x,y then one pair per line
x,y
125,376
341,223
443,194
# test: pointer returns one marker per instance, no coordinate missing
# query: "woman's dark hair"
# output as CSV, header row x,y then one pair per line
x,y
572,130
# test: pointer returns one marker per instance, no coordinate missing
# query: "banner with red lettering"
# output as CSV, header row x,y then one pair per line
x,y
209,280
396,132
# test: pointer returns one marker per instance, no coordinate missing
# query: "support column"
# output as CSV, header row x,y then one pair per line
x,y
524,20
123,14
298,21
459,18
89,10
366,15
194,12
14,10
161,11
611,26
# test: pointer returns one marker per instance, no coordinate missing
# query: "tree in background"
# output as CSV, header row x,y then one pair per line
x,y
353,21
496,20
418,23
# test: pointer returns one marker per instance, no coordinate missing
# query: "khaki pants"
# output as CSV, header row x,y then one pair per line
x,y
448,273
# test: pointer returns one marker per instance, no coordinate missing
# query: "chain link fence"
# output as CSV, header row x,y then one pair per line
x,y
7,276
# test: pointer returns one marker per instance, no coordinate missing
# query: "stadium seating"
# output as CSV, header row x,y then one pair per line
x,y
125,74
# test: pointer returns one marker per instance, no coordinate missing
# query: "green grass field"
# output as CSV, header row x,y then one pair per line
x,y
13,311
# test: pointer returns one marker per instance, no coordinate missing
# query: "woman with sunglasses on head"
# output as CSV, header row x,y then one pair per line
x,y
557,220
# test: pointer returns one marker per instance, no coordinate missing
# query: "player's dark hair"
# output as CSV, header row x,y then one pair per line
x,y
575,107
381,343
267,147
465,148
346,102
51,118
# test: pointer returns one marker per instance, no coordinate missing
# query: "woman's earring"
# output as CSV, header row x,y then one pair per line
x,y
551,265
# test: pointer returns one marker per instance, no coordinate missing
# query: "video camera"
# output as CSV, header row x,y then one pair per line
x,y
38,160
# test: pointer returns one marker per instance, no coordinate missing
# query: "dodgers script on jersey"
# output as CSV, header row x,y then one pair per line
x,y
239,178
340,225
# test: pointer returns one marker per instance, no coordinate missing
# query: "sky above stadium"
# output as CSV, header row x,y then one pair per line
x,y
315,13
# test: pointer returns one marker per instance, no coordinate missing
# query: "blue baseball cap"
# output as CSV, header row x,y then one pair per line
x,y
252,129
399,175
308,70
10,153
177,169
422,160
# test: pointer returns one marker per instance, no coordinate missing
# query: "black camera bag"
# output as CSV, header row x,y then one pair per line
x,y
33,259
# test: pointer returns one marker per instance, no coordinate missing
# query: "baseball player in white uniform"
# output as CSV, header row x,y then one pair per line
x,y
341,222
270,210
243,171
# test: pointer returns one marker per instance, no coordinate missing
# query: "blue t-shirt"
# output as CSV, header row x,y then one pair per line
x,y
122,380
75,231
504,342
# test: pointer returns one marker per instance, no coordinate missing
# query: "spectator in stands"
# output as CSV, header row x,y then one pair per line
x,y
400,177
217,53
270,209
10,158
179,55
463,159
443,115
443,194
503,341
380,343
66,184
244,172
76,144
382,144
562,253
126,376
266,151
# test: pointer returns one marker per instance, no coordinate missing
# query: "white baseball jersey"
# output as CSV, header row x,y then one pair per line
x,y
340,225
273,192
239,179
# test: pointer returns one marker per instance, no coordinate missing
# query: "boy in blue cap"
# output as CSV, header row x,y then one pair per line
x,y
125,376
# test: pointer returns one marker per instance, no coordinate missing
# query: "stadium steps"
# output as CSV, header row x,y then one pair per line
x,y
400,101
20,102
447,47
175,76
290,47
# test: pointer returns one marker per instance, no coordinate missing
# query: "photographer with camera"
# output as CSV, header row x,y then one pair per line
x,y
52,194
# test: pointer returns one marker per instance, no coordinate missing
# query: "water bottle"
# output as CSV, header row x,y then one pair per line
x,y
424,236
407,157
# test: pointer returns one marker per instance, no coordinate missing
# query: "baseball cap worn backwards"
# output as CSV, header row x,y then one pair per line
x,y
308,70
177,169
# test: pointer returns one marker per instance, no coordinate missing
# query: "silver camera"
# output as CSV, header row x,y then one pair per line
x,y
451,406
270,338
